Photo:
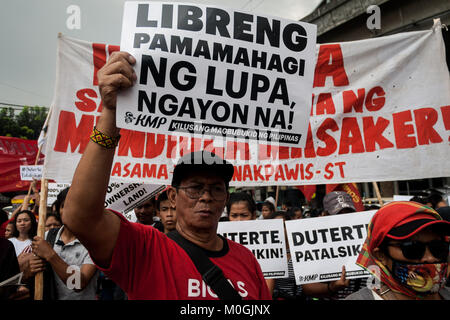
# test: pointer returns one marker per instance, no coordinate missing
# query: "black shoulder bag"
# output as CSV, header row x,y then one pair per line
x,y
211,273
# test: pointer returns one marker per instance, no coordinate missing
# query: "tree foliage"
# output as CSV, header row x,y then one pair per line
x,y
25,125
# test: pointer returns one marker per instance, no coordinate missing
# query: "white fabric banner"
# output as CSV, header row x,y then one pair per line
x,y
321,246
380,108
265,239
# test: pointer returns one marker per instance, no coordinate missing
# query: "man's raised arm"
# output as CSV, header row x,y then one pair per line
x,y
84,212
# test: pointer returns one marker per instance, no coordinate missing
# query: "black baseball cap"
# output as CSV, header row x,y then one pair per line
x,y
417,222
201,161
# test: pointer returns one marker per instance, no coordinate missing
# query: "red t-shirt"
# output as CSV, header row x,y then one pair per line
x,y
147,264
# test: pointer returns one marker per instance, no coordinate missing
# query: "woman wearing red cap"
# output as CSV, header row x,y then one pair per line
x,y
406,250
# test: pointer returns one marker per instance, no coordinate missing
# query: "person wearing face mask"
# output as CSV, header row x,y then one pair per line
x,y
406,250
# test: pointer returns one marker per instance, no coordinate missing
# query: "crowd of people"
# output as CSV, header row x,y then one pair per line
x,y
174,251
62,249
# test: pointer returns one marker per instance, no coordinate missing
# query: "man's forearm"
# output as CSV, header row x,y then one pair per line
x,y
84,212
64,272
85,200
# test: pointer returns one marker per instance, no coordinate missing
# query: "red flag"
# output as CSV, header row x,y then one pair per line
x,y
330,188
15,152
308,191
351,189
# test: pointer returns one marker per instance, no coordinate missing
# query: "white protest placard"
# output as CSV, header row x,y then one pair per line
x,y
124,197
265,239
215,71
53,190
28,173
321,246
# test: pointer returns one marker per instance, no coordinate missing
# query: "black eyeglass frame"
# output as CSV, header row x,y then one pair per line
x,y
197,194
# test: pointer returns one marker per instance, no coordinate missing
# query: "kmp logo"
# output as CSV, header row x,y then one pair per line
x,y
310,277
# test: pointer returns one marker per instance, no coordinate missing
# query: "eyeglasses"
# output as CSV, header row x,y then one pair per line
x,y
217,192
415,250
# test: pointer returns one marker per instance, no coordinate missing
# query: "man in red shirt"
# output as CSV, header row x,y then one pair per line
x,y
145,263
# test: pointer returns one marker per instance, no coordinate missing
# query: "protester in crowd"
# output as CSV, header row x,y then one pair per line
x,y
26,228
135,256
295,213
108,289
286,205
53,207
241,207
10,229
407,252
336,202
267,210
444,212
4,217
9,267
285,288
419,199
145,214
24,206
435,200
271,200
64,254
52,220
167,212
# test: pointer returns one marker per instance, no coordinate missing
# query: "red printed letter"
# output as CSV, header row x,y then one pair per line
x,y
350,137
377,103
69,132
86,104
426,118
404,131
330,143
330,63
131,140
373,133
325,104
352,101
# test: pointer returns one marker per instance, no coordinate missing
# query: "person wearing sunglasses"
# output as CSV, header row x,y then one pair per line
x,y
406,250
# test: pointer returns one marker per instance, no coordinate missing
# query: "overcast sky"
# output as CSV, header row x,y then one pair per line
x,y
29,29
